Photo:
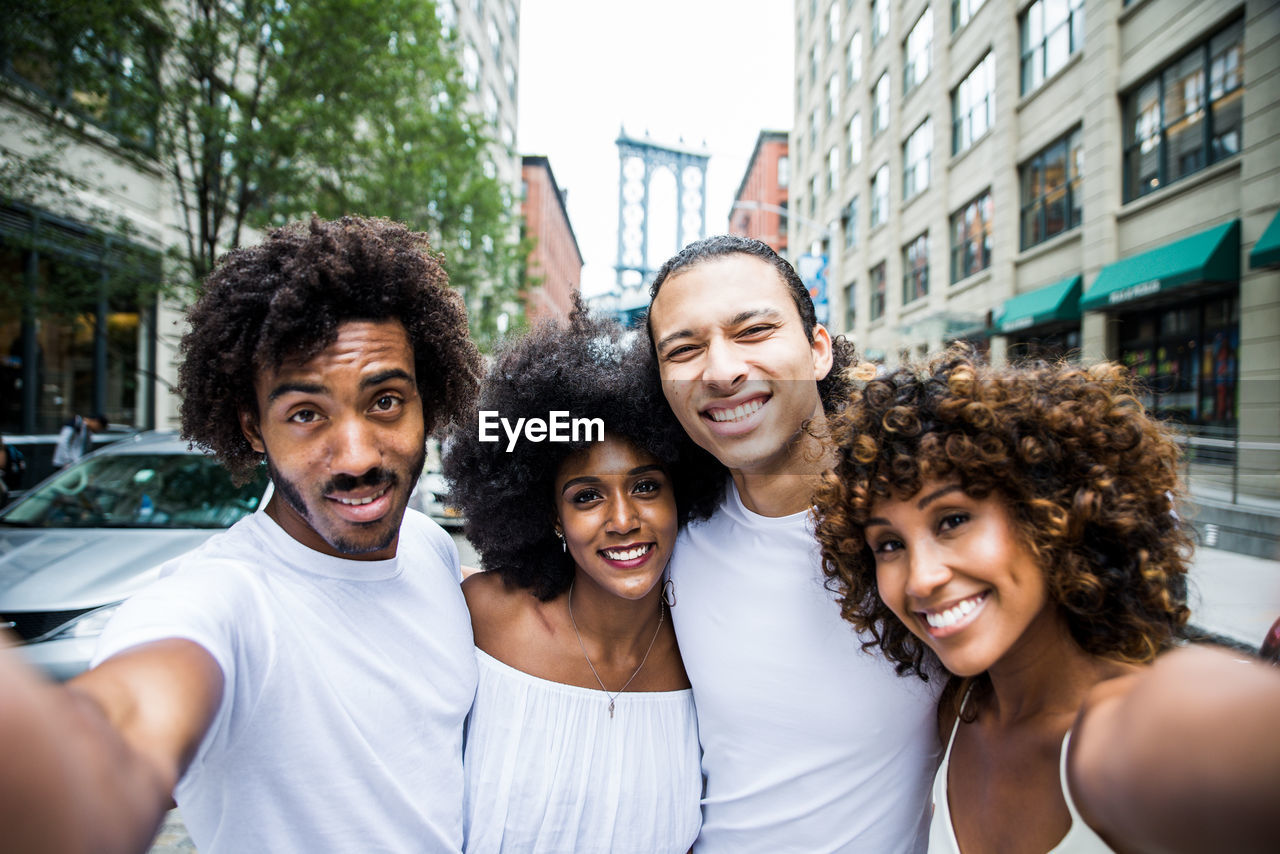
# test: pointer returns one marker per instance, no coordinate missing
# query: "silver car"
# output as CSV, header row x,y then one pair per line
x,y
84,540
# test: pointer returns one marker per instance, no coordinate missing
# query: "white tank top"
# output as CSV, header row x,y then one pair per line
x,y
1080,838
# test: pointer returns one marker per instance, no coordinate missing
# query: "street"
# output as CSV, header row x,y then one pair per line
x,y
1231,594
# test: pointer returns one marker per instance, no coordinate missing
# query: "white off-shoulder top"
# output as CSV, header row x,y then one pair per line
x,y
548,771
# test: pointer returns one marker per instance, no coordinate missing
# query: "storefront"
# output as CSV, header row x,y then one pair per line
x,y
1178,313
1043,323
77,325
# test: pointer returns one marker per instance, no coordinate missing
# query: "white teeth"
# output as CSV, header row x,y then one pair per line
x,y
954,614
356,502
736,413
628,554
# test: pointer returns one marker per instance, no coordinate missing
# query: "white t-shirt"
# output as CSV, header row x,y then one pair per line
x,y
346,687
809,743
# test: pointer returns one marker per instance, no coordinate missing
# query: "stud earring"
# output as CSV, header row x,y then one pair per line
x,y
564,547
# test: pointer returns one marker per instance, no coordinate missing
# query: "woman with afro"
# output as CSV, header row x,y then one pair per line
x,y
1015,528
583,735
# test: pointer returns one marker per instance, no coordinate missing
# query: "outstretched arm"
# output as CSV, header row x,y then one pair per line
x,y
1184,756
91,765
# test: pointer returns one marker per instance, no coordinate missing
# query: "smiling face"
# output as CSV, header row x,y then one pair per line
x,y
344,440
617,510
737,367
955,572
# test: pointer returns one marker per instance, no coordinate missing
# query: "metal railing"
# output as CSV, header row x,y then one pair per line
x,y
1217,458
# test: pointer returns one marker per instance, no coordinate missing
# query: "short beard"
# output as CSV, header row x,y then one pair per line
x,y
292,496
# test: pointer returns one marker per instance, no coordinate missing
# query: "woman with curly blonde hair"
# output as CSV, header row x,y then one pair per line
x,y
1016,527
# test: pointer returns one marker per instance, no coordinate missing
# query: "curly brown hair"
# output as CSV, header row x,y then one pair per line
x,y
1087,475
286,297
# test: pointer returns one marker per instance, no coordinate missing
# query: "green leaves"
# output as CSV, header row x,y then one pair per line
x,y
265,111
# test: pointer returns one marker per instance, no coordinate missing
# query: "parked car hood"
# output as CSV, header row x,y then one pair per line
x,y
67,568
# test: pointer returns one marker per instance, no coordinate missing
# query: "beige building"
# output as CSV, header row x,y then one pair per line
x,y
1090,178
488,43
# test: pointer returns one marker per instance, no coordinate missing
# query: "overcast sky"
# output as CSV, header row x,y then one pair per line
x,y
713,70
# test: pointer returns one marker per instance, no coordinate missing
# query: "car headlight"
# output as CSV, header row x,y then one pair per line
x,y
88,625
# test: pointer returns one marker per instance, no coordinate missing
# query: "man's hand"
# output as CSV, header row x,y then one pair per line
x,y
91,765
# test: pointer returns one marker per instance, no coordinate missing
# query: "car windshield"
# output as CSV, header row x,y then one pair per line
x,y
176,490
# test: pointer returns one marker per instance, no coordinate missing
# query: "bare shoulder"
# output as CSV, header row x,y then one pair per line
x,y
497,609
1116,683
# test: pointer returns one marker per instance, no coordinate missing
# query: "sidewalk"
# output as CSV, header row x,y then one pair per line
x,y
1233,594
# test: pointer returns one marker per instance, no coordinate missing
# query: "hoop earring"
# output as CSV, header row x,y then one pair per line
x,y
669,592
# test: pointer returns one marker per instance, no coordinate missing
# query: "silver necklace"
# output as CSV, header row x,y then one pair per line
x,y
583,647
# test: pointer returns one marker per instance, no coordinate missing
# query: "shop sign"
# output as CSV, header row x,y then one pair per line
x,y
1142,289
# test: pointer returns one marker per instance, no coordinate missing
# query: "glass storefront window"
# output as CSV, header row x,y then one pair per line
x,y
1186,356
75,330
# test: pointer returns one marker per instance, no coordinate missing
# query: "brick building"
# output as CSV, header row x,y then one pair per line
x,y
554,270
760,207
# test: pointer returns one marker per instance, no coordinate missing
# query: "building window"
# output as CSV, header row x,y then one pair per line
x,y
470,67
813,129
813,66
448,15
850,305
1187,358
1051,190
880,104
917,153
833,23
875,281
971,238
917,52
973,105
880,196
784,171
915,267
879,21
813,194
1052,31
77,324
855,139
495,40
853,59
111,79
1175,125
833,169
849,223
833,96
962,11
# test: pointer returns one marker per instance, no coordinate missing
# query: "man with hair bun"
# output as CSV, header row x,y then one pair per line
x,y
299,682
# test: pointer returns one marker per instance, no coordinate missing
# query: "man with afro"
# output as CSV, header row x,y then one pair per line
x,y
299,682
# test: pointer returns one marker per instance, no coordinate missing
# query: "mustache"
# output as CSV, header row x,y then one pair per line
x,y
373,477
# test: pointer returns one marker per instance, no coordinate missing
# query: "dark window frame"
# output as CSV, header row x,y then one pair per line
x,y
1211,149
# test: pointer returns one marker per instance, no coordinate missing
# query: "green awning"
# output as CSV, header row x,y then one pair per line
x,y
1213,255
1266,252
1056,303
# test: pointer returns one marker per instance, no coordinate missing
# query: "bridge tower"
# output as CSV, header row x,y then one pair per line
x,y
638,160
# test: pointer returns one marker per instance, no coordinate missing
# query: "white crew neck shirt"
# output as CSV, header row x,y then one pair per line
x,y
810,744
346,685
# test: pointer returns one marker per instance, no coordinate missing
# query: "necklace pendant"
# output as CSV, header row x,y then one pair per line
x,y
611,709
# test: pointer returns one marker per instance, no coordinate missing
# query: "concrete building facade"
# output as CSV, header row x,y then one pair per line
x,y
1080,178
553,272
760,207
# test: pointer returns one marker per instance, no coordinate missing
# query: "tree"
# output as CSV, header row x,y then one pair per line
x,y
264,111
